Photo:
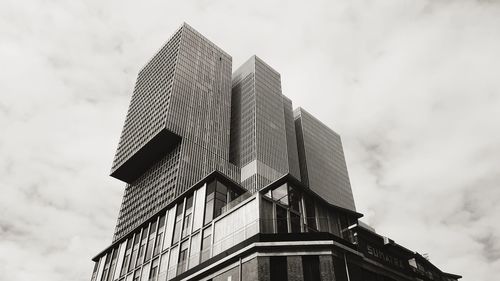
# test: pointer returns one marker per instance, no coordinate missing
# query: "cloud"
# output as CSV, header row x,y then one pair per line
x,y
410,85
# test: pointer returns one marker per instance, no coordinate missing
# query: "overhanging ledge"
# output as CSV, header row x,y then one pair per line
x,y
157,147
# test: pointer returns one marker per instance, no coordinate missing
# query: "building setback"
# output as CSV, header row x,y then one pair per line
x,y
224,181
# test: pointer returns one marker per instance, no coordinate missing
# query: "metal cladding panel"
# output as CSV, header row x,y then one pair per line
x,y
178,127
196,162
243,148
184,91
200,102
323,166
148,194
146,113
260,142
270,132
291,139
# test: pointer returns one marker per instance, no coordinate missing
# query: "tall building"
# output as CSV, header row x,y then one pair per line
x,y
322,162
263,141
225,182
177,127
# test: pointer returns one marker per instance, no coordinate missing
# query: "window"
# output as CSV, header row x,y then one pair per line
x,y
149,250
113,263
94,272
311,214
209,207
159,236
194,255
278,268
294,198
217,197
106,267
295,222
172,263
310,267
157,248
333,222
134,251
187,216
154,270
322,218
183,255
137,275
221,197
267,216
178,222
123,270
344,226
162,275
142,248
280,194
206,244
281,219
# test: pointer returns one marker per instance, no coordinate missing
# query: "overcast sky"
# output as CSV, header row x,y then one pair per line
x,y
412,86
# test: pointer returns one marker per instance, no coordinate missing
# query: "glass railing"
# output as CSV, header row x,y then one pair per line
x,y
235,202
235,237
248,230
320,225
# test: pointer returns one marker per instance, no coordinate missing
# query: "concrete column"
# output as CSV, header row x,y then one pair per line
x,y
294,266
249,270
263,267
326,268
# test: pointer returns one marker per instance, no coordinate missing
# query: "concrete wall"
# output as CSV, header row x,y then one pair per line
x,y
294,266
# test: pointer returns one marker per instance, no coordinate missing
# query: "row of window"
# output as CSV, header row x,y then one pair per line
x,y
183,235
285,209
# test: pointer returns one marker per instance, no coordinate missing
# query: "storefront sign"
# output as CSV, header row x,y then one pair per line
x,y
384,256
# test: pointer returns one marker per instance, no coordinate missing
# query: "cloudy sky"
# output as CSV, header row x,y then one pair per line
x,y
413,87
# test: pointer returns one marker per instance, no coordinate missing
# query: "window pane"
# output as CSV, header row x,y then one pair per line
x,y
159,240
152,229
149,250
162,275
267,217
280,194
161,224
154,270
187,226
294,196
206,244
194,255
310,267
172,264
295,222
281,219
311,214
279,269
189,202
209,211
183,255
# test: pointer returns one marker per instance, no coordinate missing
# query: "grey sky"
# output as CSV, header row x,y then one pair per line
x,y
412,86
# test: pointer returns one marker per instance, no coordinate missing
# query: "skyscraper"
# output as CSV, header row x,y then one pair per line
x,y
322,162
263,139
225,182
177,126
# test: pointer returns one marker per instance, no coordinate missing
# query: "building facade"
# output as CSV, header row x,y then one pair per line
x,y
322,162
224,181
263,141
